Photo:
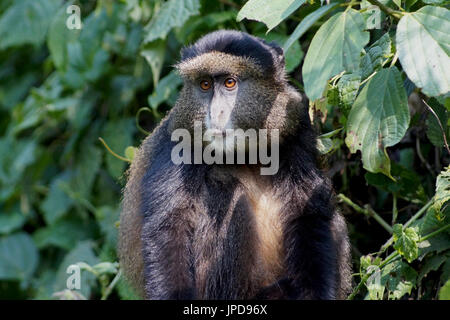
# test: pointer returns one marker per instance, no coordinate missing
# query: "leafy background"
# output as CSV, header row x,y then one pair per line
x,y
75,103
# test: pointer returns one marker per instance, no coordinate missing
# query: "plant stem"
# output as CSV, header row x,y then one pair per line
x,y
393,256
366,211
111,286
393,13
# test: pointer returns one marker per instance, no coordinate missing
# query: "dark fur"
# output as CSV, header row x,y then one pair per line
x,y
188,231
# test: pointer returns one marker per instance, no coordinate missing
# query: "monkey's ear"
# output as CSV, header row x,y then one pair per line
x,y
278,52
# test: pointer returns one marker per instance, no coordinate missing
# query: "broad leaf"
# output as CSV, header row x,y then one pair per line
x,y
18,257
58,37
379,119
423,46
271,13
26,22
406,242
154,54
173,13
336,47
306,23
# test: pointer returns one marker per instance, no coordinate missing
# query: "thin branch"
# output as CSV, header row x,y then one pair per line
x,y
393,13
112,152
440,125
366,211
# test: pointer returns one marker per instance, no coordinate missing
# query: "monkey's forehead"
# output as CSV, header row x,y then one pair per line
x,y
215,62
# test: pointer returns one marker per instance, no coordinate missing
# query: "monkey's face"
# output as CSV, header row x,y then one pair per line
x,y
226,93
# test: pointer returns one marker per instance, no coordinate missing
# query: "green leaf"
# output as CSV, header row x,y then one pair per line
x,y
433,1
57,203
173,13
434,131
306,23
399,279
26,22
442,189
118,134
18,257
130,152
423,46
65,234
432,264
348,87
406,242
336,47
154,54
379,119
58,37
83,252
377,53
107,218
167,86
271,13
11,221
444,292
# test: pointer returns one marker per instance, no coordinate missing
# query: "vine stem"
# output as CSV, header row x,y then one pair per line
x,y
366,211
393,256
111,286
393,13
112,152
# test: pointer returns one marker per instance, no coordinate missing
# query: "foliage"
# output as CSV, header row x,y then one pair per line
x,y
377,77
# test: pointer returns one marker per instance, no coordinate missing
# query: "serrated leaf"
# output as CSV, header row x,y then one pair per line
x,y
18,257
26,22
399,279
348,87
379,119
336,47
173,13
271,13
375,56
423,46
406,242
306,23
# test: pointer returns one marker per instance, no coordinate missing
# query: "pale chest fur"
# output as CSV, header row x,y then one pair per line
x,y
266,213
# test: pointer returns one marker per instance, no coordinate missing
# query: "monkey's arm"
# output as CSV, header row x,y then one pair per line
x,y
312,248
167,231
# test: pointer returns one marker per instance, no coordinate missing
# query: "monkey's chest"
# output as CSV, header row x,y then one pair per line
x,y
265,212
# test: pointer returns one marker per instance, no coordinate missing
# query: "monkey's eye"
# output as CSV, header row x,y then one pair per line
x,y
205,85
230,83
